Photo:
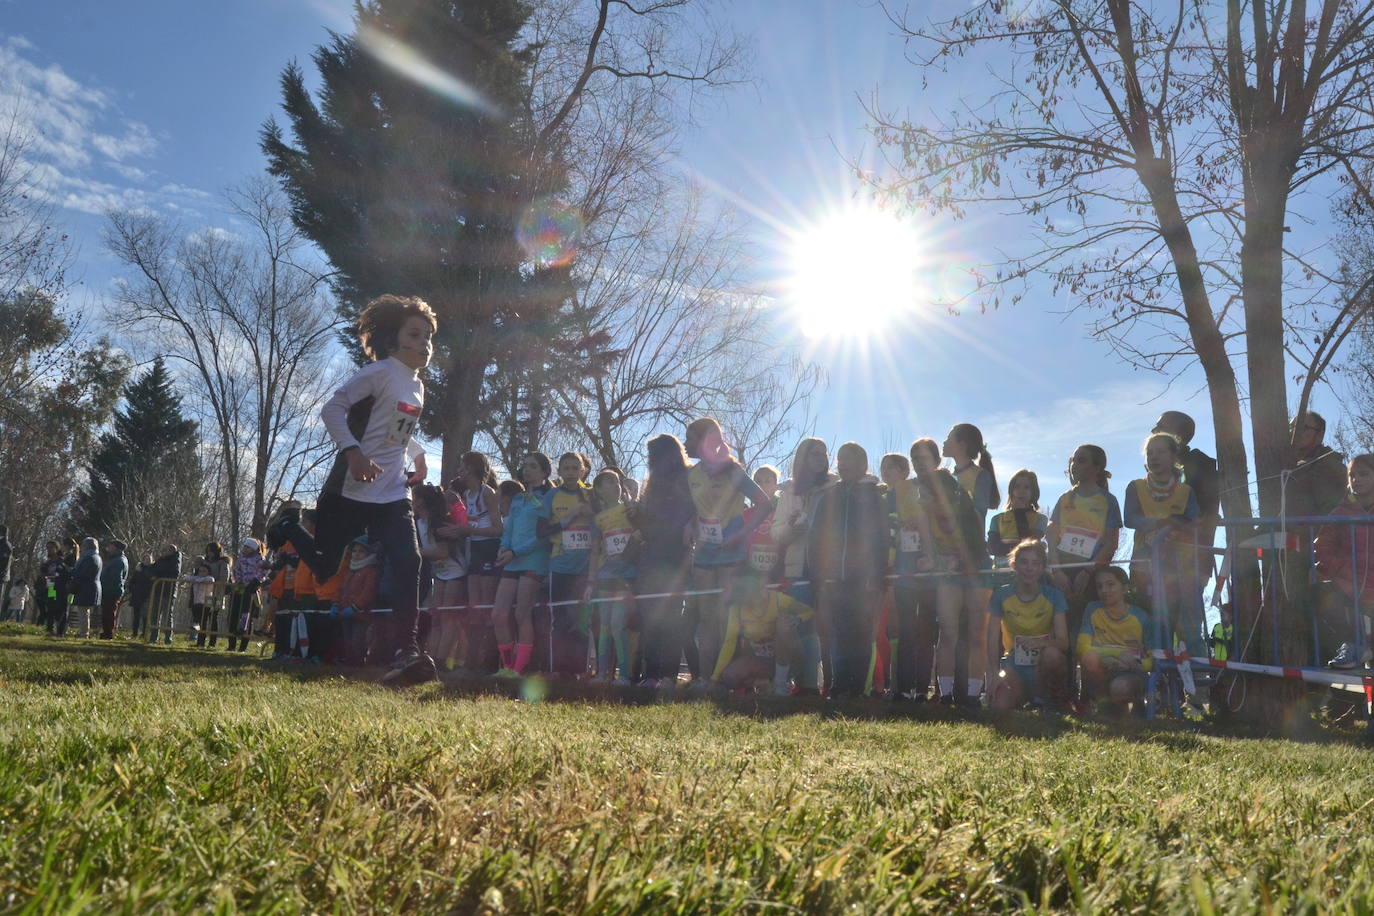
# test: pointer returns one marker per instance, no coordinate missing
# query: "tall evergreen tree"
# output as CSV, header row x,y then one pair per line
x,y
413,172
146,449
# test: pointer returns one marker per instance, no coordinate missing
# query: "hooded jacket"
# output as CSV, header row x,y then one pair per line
x,y
848,538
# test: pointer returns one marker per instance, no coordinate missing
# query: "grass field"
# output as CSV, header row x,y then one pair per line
x,y
141,779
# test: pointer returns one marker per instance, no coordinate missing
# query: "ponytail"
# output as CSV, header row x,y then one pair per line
x,y
971,438
985,462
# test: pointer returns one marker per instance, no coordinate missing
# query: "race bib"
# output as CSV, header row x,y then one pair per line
x,y
910,541
615,542
763,557
446,568
579,538
762,650
1078,542
1024,654
709,530
401,427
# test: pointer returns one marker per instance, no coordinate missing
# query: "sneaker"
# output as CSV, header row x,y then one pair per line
x,y
508,673
1346,658
417,669
288,515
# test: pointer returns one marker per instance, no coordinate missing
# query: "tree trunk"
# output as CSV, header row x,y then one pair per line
x,y
1261,258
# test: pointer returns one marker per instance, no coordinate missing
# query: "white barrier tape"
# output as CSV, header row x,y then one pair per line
x,y
1310,675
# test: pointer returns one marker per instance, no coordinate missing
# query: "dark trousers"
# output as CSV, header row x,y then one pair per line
x,y
850,610
566,648
243,610
917,632
109,609
338,521
663,624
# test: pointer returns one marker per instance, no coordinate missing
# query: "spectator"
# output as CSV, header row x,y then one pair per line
x,y
165,573
219,567
140,585
1316,484
113,575
250,571
52,584
1345,558
19,596
85,587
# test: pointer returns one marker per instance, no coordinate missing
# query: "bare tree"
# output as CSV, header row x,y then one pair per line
x,y
666,285
251,320
170,507
1156,150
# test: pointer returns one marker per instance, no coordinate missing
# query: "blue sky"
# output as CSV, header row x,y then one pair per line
x,y
158,104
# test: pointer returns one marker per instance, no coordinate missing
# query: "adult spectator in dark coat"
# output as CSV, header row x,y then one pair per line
x,y
140,585
85,588
1317,478
167,567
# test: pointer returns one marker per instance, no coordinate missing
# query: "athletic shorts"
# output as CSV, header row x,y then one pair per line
x,y
482,557
1024,673
522,574
1136,678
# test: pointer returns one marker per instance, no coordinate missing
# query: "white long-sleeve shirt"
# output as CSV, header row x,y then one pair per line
x,y
398,399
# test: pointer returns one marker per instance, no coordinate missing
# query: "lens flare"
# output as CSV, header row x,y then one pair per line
x,y
549,232
408,62
856,272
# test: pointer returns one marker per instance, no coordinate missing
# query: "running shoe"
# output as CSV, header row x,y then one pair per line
x,y
412,668
1346,658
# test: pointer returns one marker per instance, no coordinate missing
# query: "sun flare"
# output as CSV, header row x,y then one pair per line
x,y
855,272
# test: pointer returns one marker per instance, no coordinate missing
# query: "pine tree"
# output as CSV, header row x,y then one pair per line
x,y
146,449
413,172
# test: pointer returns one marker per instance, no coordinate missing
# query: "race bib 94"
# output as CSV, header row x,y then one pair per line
x,y
615,542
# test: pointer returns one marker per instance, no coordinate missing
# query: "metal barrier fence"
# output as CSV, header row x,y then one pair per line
x,y
1284,615
227,611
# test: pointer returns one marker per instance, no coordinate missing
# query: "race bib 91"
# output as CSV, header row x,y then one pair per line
x,y
910,541
404,418
1078,542
577,539
1024,654
615,542
709,530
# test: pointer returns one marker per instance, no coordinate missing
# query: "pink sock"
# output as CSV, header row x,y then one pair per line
x,y
507,654
522,656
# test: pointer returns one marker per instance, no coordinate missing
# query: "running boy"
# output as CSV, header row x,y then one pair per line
x,y
372,418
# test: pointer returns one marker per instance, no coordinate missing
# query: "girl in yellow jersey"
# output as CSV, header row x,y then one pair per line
x,y
956,548
721,491
974,471
1114,644
1085,525
616,542
1161,502
1022,518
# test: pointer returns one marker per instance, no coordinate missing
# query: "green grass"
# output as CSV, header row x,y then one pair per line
x,y
136,779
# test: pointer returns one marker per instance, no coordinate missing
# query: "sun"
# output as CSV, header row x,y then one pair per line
x,y
855,272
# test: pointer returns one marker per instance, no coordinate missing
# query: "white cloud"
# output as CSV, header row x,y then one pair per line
x,y
82,153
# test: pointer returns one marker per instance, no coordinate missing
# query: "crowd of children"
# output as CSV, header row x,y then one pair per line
x,y
919,582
